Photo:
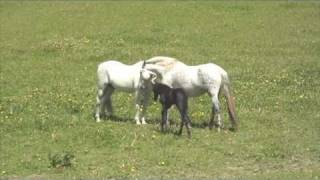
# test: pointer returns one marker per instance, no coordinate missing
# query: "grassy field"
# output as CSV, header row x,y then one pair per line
x,y
49,52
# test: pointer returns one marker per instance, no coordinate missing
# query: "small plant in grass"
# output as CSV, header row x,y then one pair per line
x,y
60,160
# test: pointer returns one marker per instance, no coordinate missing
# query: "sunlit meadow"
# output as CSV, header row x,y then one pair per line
x,y
49,52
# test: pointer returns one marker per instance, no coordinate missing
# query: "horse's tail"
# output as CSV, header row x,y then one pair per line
x,y
102,76
226,88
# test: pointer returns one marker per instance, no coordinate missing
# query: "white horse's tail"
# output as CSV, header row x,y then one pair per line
x,y
102,77
226,88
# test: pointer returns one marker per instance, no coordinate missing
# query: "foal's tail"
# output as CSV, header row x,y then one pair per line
x,y
226,88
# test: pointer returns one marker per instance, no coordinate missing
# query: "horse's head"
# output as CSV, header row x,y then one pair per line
x,y
147,75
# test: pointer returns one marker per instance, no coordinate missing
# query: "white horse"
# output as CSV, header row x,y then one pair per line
x,y
195,81
114,75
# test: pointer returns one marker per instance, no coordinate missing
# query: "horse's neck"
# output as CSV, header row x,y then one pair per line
x,y
139,63
136,68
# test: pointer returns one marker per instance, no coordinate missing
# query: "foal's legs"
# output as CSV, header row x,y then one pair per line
x,y
182,106
164,122
185,120
167,123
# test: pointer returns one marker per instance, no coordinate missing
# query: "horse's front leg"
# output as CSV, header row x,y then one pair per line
x,y
143,96
143,116
144,109
138,114
139,106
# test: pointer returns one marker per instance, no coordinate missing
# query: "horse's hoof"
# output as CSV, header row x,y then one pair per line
x,y
233,129
177,133
143,121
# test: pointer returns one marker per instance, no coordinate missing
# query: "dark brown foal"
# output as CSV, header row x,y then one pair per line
x,y
169,97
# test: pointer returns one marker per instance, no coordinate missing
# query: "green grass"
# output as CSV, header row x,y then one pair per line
x,y
49,53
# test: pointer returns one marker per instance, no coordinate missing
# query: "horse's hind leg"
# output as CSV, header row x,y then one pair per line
x,y
107,100
188,125
103,105
99,103
181,127
185,120
215,114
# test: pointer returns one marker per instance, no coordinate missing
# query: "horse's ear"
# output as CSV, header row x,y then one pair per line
x,y
144,63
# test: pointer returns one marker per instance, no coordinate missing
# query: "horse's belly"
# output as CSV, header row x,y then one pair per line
x,y
193,92
188,81
122,84
190,88
124,89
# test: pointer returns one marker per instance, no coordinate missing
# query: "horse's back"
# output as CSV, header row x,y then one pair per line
x,y
161,60
113,64
118,75
211,67
102,71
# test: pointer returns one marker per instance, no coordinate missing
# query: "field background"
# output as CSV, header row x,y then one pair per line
x,y
49,52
